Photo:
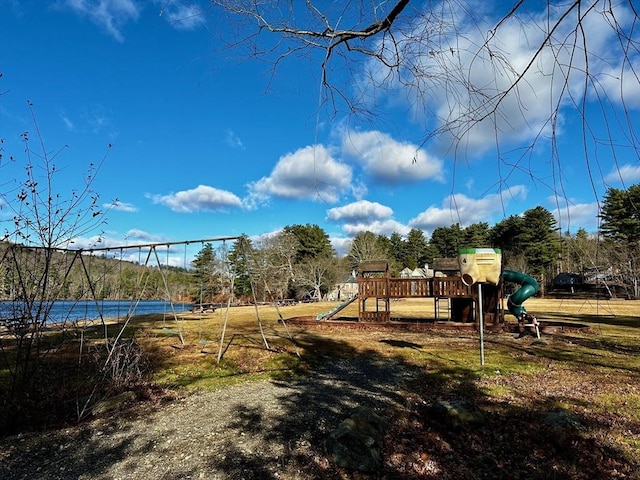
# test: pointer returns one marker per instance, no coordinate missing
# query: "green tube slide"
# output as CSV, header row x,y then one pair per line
x,y
528,289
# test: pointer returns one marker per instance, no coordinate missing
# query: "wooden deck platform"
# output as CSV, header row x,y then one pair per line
x,y
414,287
453,299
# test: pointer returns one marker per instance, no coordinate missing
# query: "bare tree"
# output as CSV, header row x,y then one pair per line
x,y
42,220
365,246
317,275
272,264
508,85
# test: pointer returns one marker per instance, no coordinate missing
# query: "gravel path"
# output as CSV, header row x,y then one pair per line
x,y
255,430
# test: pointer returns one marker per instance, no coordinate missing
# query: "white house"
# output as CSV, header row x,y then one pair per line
x,y
344,290
425,272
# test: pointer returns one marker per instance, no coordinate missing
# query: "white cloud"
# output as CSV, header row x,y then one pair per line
x,y
134,247
379,227
621,85
464,210
341,245
362,216
97,118
120,206
389,161
359,190
67,122
627,173
111,15
132,238
87,243
201,198
265,237
232,139
572,216
142,236
320,173
614,71
358,211
310,173
182,15
477,119
467,95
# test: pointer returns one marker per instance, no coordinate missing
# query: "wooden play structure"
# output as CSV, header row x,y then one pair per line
x,y
453,300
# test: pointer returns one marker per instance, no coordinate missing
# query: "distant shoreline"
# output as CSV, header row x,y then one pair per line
x,y
65,311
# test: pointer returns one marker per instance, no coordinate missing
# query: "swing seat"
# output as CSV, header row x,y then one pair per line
x,y
170,331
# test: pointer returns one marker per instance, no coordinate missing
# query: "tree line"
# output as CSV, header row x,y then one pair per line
x,y
73,275
299,262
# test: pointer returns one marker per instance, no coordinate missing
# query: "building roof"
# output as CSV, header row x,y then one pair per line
x,y
446,264
373,266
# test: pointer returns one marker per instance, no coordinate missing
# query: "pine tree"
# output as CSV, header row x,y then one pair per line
x,y
206,274
446,241
314,241
239,267
621,215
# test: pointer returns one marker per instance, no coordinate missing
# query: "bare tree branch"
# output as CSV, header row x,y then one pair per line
x,y
508,85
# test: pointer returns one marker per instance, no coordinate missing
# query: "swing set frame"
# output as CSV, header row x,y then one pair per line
x,y
85,258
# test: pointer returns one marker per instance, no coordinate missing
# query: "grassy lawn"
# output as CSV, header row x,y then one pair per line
x,y
257,343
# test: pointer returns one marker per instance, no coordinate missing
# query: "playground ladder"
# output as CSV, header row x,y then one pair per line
x,y
439,302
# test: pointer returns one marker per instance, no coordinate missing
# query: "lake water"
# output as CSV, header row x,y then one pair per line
x,y
71,310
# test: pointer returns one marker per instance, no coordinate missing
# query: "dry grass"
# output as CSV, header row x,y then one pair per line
x,y
255,341
240,336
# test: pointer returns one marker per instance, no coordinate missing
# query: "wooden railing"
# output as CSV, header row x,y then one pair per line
x,y
380,290
373,287
410,287
413,287
379,317
450,287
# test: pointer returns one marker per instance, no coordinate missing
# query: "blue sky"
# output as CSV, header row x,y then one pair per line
x,y
208,143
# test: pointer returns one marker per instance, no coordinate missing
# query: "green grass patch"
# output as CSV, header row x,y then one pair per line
x,y
286,366
498,391
201,375
627,405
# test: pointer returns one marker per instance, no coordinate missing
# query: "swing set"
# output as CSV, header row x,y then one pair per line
x,y
95,265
